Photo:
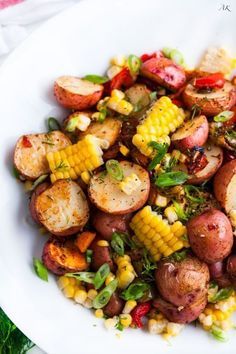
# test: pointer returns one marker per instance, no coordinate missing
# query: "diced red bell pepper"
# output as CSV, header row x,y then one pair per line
x,y
157,54
122,79
140,311
232,120
212,81
26,142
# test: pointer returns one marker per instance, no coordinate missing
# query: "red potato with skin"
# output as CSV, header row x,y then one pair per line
x,y
192,133
101,255
231,266
75,93
105,224
211,103
225,186
216,269
62,208
38,190
164,72
210,236
114,306
62,257
214,155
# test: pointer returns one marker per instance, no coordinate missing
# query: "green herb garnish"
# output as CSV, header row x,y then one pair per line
x,y
174,54
38,181
189,190
119,326
40,269
195,110
224,116
222,294
153,96
182,216
105,294
53,124
148,267
101,275
135,291
117,244
96,79
218,334
179,256
170,179
87,277
61,166
134,64
88,255
161,151
114,170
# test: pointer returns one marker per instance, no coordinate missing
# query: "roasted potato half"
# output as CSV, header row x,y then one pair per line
x,y
31,150
105,192
63,257
211,103
225,186
38,190
210,236
138,94
75,93
192,133
62,208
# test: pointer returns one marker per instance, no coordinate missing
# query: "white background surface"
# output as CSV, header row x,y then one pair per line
x,y
78,42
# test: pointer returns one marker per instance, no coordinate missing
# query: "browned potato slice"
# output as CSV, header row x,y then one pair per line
x,y
211,103
105,192
214,156
62,208
192,133
225,186
31,150
38,190
138,94
109,130
75,93
62,257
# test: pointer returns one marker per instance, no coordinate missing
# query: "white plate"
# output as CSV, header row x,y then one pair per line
x,y
78,42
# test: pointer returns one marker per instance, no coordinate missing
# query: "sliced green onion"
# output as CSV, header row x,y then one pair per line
x,y
53,124
87,277
72,124
170,179
134,64
174,54
179,256
88,256
222,294
40,269
104,295
161,151
102,115
96,79
135,291
153,95
218,334
114,170
182,216
101,275
117,244
38,181
224,116
189,189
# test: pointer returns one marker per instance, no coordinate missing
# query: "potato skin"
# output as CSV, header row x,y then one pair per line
x,y
73,100
100,256
210,236
231,266
182,283
180,315
216,269
114,306
61,257
38,190
221,183
106,224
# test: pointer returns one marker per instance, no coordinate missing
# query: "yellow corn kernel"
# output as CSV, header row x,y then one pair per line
x,y
111,323
125,278
80,296
118,94
109,278
28,186
88,303
103,243
119,60
85,176
130,184
113,71
95,116
129,306
99,313
92,293
124,150
161,201
171,215
125,320
69,291
120,106
63,282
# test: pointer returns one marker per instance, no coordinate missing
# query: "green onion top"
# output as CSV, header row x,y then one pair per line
x,y
224,116
40,269
105,294
170,179
114,170
101,275
134,64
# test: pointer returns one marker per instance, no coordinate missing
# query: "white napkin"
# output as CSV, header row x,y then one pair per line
x,y
16,22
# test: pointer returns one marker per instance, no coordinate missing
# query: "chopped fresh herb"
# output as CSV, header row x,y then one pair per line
x,y
119,326
182,216
172,162
195,111
96,79
222,294
153,95
135,291
40,269
105,294
61,166
88,256
179,256
87,277
38,181
126,239
12,340
101,275
170,179
134,64
218,334
114,170
190,191
230,138
161,151
224,116
102,115
102,175
213,284
117,244
148,267
53,124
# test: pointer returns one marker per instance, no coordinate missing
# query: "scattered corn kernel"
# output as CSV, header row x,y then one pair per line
x,y
124,150
118,94
161,201
111,323
92,293
80,296
171,215
78,121
119,60
119,105
63,282
69,291
130,184
85,176
125,320
103,243
99,313
129,306
109,278
28,186
125,272
88,303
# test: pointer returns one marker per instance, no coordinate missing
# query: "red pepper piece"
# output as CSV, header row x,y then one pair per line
x,y
197,162
157,54
212,81
26,142
139,311
122,79
232,120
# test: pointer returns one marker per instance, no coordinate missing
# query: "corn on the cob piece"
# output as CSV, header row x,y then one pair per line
x,y
125,272
117,103
70,162
217,60
130,184
163,118
219,314
159,238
